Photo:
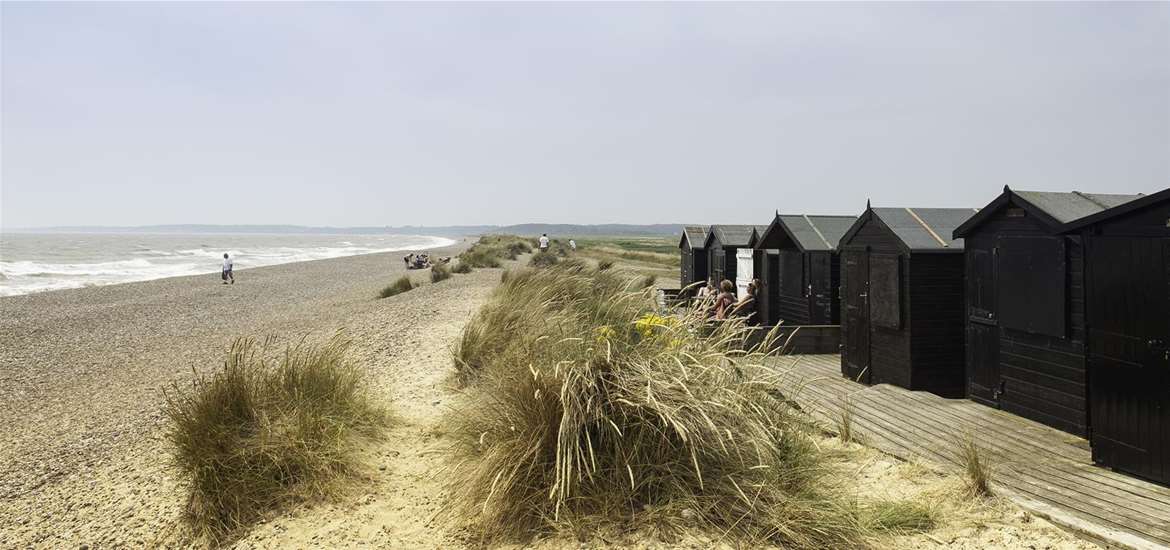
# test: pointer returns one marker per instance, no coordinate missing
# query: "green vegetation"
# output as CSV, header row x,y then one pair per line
x,y
440,272
461,268
399,286
543,259
258,434
492,250
587,410
644,255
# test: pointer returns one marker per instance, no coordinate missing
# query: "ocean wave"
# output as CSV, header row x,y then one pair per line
x,y
150,262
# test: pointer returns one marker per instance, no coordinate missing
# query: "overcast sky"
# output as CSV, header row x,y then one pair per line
x,y
390,114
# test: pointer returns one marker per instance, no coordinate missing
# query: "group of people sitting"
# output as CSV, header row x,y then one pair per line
x,y
422,260
723,302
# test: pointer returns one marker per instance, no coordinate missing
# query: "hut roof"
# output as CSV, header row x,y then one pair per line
x,y
1054,209
809,233
919,229
1141,202
732,235
694,237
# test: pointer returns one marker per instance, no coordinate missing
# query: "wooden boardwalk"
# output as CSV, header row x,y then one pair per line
x,y
1044,470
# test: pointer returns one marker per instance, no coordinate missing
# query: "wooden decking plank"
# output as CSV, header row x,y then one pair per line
x,y
1050,472
1091,473
1112,506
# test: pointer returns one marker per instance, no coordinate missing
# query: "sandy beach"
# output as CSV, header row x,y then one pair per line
x,y
82,374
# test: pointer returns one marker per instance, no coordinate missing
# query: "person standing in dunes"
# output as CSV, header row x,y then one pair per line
x,y
544,242
227,270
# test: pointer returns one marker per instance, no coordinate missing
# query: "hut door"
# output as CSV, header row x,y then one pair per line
x,y
855,296
1129,354
982,327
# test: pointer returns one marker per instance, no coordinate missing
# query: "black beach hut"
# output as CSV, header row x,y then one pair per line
x,y
693,255
722,243
1127,305
800,269
1025,305
902,299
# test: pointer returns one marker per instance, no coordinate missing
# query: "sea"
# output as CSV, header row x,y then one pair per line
x,y
39,262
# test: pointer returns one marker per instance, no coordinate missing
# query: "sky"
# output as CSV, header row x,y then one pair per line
x,y
364,114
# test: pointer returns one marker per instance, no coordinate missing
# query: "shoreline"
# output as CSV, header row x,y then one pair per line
x,y
439,242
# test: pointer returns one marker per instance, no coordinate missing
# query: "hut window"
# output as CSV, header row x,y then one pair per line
x,y
885,291
1030,272
791,273
1015,212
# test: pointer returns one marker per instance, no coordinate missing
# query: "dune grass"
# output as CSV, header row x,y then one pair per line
x,y
260,433
587,410
492,250
976,466
440,272
603,265
461,268
402,284
543,259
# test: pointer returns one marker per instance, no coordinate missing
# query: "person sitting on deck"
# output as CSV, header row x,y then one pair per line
x,y
725,301
746,307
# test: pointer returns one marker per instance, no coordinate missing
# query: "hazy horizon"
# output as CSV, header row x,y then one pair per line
x,y
375,114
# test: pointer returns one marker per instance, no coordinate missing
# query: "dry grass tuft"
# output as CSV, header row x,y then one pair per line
x,y
492,250
543,259
587,410
604,265
845,422
898,517
261,433
440,272
977,468
399,286
461,268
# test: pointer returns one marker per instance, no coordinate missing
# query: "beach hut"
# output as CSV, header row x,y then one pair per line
x,y
1127,305
800,269
722,243
693,255
1025,305
902,299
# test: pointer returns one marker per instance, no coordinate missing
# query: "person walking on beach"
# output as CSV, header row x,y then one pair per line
x,y
227,270
543,242
572,245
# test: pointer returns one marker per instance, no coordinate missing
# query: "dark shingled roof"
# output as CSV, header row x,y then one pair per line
x,y
816,232
1054,209
733,235
696,235
921,229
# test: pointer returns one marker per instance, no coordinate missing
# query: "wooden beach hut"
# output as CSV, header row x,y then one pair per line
x,y
722,243
1025,305
1127,306
800,269
693,255
902,299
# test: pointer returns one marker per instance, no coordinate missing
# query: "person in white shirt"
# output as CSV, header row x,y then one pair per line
x,y
544,242
572,244
227,270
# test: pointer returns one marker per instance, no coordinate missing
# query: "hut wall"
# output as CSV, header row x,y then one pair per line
x,y
835,281
824,291
1041,376
792,305
937,324
686,266
769,293
889,348
1128,295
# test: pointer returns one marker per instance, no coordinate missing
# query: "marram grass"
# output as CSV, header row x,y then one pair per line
x,y
588,410
260,433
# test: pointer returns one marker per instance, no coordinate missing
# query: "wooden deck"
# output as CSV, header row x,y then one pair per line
x,y
1045,471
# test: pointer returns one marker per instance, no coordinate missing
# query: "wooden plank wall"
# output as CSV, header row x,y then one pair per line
x,y
937,324
889,348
